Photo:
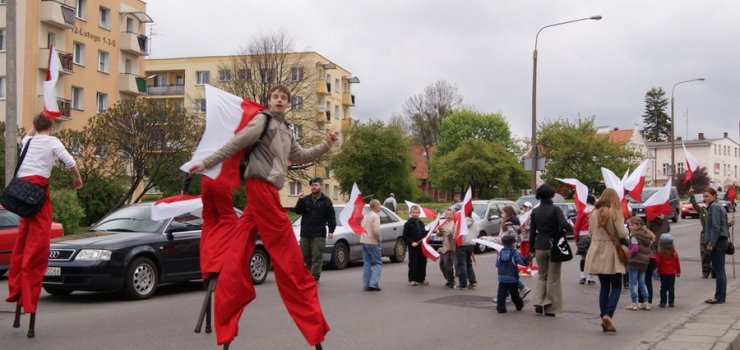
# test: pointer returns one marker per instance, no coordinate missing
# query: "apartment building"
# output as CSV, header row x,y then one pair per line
x,y
101,45
721,157
321,99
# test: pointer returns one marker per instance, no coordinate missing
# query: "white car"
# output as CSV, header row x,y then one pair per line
x,y
345,245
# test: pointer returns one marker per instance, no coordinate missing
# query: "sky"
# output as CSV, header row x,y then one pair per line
x,y
484,47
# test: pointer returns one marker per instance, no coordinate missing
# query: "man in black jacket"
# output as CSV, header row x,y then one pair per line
x,y
317,213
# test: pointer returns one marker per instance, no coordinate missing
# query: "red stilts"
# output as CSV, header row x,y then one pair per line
x,y
205,311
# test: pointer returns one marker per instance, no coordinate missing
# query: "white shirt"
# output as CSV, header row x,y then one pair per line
x,y
42,152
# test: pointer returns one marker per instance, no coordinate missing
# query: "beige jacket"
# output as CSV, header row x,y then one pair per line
x,y
269,160
447,232
602,254
371,223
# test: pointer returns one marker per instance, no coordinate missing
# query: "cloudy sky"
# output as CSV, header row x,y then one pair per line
x,y
484,47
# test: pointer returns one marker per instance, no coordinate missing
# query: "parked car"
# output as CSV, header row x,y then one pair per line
x,y
532,199
724,202
638,208
9,232
127,251
688,210
345,245
569,210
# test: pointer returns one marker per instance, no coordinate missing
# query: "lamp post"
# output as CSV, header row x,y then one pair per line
x,y
535,151
673,127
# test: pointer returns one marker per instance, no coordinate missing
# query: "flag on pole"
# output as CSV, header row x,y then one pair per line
x,y
426,249
612,181
691,164
51,108
351,216
581,196
172,206
636,181
658,203
461,229
425,212
226,115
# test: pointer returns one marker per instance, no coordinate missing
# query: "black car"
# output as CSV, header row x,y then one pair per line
x,y
127,251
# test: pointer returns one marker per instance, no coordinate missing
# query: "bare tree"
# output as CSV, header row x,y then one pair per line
x,y
425,112
399,122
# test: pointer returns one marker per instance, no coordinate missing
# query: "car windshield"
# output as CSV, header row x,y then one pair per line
x,y
8,219
130,219
480,209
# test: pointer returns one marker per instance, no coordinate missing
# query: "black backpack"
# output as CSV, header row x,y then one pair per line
x,y
245,160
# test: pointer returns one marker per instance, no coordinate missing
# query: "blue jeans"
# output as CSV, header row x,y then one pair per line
x,y
718,266
611,286
371,264
637,279
667,289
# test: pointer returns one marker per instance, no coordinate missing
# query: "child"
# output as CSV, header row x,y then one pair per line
x,y
508,274
640,241
413,233
668,267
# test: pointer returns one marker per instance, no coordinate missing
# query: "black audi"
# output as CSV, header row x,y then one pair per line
x,y
127,251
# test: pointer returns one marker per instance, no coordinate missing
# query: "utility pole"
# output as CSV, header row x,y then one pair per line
x,y
11,98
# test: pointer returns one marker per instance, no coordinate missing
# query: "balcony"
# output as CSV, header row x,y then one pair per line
x,y
134,43
172,90
65,57
131,84
346,124
322,117
322,88
348,99
57,14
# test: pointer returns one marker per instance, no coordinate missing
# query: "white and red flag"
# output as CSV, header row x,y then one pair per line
x,y
691,164
351,216
636,181
425,212
226,115
172,206
51,108
581,193
658,203
612,181
461,229
426,249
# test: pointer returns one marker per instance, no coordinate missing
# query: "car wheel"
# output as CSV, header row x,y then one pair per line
x,y
683,216
259,266
340,256
141,279
3,271
58,291
479,248
399,251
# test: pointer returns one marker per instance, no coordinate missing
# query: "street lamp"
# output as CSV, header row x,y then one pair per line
x,y
535,151
673,127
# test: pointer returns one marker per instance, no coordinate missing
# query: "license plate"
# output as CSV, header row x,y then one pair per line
x,y
53,271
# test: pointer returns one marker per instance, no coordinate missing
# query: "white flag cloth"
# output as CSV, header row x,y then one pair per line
x,y
175,205
489,244
612,181
691,164
425,212
581,193
460,217
51,108
658,203
636,181
351,216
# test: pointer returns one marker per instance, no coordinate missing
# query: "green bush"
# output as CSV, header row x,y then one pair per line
x,y
67,210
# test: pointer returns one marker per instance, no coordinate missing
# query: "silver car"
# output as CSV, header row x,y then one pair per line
x,y
345,245
488,222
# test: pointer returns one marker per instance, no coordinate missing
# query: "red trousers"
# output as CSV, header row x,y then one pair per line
x,y
219,225
524,250
30,254
265,214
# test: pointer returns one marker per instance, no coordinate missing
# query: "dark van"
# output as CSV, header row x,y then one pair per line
x,y
638,208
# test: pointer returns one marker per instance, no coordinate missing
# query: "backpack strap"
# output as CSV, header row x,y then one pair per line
x,y
250,149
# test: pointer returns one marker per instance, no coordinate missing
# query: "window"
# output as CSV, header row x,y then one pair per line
x,y
179,80
200,105
296,102
296,73
3,2
666,169
202,77
77,97
679,168
2,39
127,66
103,61
101,102
130,25
104,18
159,80
336,85
3,88
336,192
78,53
244,75
336,112
81,9
267,75
224,75
295,188
326,188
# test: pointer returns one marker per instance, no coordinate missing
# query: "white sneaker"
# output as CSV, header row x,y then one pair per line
x,y
632,307
647,306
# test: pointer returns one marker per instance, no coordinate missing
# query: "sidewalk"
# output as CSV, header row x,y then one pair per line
x,y
706,327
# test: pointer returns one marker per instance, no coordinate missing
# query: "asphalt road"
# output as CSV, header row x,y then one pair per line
x,y
398,317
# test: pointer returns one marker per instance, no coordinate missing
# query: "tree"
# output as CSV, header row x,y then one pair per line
x,y
699,181
657,123
399,122
573,149
378,159
467,124
425,112
486,166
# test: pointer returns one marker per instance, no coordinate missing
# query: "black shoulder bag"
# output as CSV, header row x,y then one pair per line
x,y
22,197
560,249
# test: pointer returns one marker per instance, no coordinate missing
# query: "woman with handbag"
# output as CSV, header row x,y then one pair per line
x,y
606,229
547,226
30,254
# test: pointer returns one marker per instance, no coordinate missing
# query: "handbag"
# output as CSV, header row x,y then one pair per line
x,y
730,248
20,196
623,253
560,249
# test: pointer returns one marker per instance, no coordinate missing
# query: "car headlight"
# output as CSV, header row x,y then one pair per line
x,y
94,254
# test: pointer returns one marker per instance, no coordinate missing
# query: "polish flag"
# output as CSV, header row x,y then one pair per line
x,y
636,181
172,206
425,212
691,164
581,193
351,215
460,217
612,181
51,108
426,249
658,203
528,270
226,115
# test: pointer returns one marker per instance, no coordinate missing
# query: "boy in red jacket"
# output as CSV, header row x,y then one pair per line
x,y
666,261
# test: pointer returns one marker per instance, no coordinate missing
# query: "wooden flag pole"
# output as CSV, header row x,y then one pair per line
x,y
732,241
